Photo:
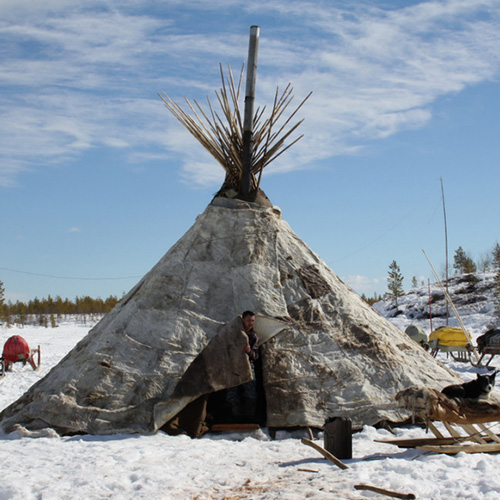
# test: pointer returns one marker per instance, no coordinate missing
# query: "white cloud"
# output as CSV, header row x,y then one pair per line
x,y
364,284
79,78
74,230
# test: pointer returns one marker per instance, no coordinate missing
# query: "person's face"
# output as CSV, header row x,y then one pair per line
x,y
248,323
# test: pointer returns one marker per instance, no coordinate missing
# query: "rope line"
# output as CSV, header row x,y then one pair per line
x,y
67,277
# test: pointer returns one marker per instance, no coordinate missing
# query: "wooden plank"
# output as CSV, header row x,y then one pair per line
x,y
234,427
452,449
415,442
434,430
481,434
325,453
474,433
453,432
490,434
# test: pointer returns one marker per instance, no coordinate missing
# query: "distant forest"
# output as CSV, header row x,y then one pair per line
x,y
50,311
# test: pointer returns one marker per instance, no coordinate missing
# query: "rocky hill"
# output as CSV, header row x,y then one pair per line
x,y
472,295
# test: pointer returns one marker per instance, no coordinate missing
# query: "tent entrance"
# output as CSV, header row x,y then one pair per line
x,y
210,410
203,390
232,406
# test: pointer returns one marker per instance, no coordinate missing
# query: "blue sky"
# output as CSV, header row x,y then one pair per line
x,y
98,180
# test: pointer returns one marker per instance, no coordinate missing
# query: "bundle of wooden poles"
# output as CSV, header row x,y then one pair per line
x,y
221,134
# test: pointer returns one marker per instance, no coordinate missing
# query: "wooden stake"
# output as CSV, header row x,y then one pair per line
x,y
325,453
382,491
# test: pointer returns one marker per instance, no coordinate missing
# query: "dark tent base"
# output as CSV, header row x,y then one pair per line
x,y
210,410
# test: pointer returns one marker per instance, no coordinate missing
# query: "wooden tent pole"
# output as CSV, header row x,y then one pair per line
x,y
246,176
453,308
430,302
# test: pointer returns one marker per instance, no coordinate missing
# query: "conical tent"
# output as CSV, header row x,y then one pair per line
x,y
166,352
176,337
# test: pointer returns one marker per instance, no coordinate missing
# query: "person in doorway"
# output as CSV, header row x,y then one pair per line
x,y
243,399
252,348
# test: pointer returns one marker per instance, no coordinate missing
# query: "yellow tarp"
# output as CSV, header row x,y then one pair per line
x,y
449,336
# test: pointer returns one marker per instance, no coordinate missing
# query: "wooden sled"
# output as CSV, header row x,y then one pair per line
x,y
488,344
491,351
451,340
464,422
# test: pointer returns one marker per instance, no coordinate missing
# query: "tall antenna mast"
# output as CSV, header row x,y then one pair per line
x,y
446,249
246,176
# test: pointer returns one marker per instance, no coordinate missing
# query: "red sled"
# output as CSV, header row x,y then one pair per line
x,y
17,350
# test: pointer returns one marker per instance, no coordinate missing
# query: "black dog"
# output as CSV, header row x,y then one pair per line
x,y
475,389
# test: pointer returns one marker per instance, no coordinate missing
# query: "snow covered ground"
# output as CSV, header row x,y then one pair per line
x,y
236,466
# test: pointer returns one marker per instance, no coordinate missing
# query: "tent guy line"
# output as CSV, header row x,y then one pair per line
x,y
41,275
201,240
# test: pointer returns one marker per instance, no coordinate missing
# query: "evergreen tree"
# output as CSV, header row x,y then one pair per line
x,y
495,257
4,308
395,282
371,300
463,263
470,266
496,280
21,313
496,292
6,315
414,282
45,311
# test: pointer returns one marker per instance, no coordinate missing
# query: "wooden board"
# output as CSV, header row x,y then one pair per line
x,y
413,443
418,442
488,433
452,449
234,427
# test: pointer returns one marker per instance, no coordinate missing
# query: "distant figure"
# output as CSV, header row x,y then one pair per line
x,y
243,399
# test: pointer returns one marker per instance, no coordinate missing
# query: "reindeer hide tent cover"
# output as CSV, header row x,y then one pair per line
x,y
173,338
176,337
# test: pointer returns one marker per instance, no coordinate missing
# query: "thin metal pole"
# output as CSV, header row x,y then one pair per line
x,y
454,309
446,248
246,176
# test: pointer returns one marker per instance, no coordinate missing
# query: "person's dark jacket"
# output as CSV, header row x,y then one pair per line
x,y
253,340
